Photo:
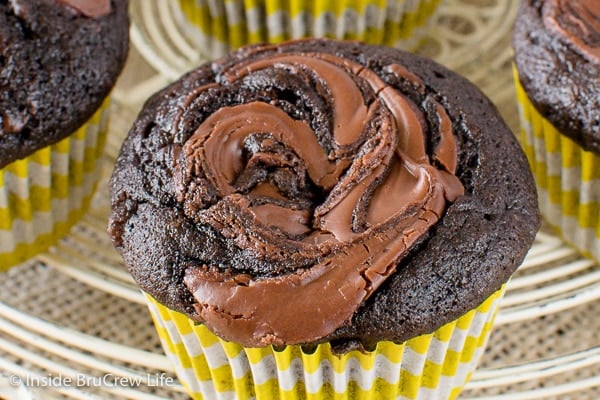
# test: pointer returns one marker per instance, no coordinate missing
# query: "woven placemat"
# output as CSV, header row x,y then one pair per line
x,y
39,291
550,336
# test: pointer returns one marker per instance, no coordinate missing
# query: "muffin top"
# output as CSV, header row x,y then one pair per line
x,y
58,61
557,55
321,191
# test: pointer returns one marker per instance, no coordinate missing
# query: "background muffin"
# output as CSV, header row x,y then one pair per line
x,y
303,201
219,26
557,58
58,61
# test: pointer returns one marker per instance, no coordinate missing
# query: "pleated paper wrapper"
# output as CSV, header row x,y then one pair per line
x,y
217,27
43,195
567,179
432,366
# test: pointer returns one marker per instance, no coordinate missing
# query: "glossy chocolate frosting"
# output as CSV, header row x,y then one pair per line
x,y
280,195
351,235
56,67
578,21
89,8
557,55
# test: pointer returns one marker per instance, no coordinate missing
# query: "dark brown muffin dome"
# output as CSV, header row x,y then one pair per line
x,y
557,56
58,61
321,191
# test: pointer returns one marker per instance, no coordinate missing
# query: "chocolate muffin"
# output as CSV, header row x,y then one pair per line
x,y
291,203
557,71
59,60
557,54
321,191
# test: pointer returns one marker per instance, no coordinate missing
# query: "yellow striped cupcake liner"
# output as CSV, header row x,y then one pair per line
x,y
433,366
217,27
567,179
43,195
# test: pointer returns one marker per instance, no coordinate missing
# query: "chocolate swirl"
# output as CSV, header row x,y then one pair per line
x,y
89,8
578,21
330,207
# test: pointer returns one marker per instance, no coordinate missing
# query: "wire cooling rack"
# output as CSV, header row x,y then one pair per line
x,y
74,325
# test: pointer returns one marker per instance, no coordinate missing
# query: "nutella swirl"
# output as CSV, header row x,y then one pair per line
x,y
89,8
578,21
344,203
